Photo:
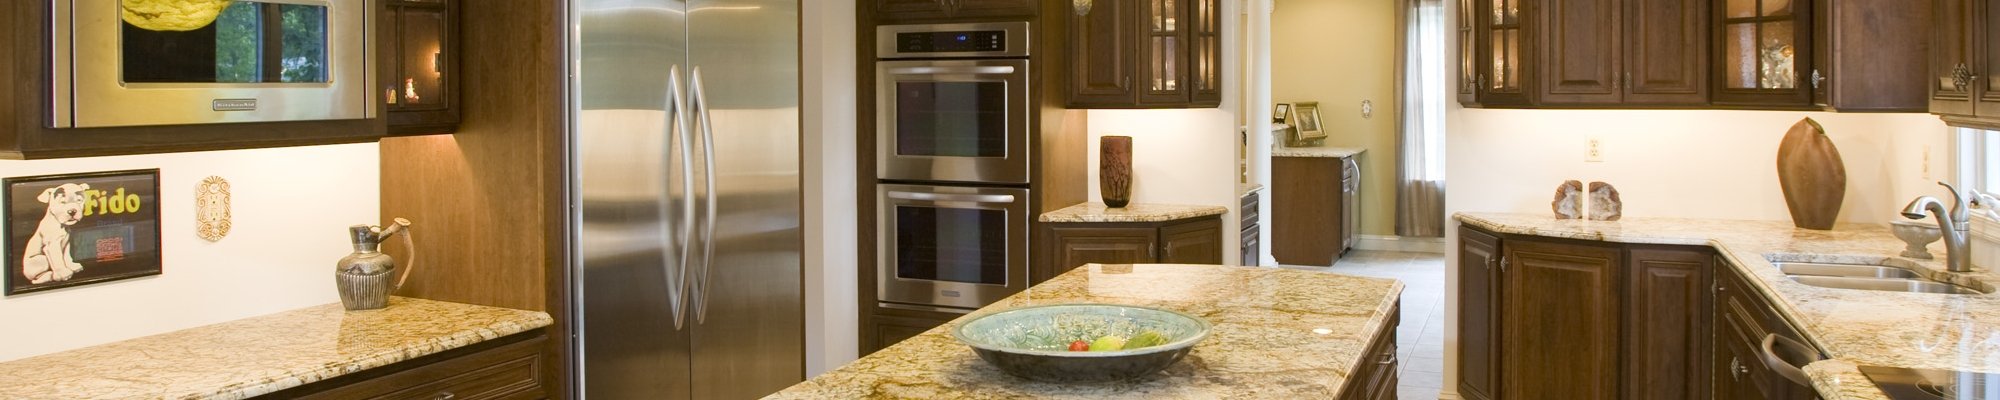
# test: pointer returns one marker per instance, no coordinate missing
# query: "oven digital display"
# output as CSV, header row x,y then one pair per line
x,y
951,42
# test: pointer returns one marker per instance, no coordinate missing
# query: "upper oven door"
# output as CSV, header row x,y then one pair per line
x,y
240,61
953,120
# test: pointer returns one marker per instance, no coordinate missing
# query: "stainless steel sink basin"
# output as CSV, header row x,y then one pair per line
x,y
1883,284
1845,270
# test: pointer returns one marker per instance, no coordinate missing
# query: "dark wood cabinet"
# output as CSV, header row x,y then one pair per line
x,y
1376,377
1866,55
1965,55
890,12
1581,63
1742,318
420,66
1478,304
1072,244
1145,54
1666,52
1665,333
1469,74
890,330
1558,318
1313,208
503,368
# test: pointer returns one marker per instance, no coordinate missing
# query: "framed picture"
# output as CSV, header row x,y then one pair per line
x,y
1308,120
1281,113
79,229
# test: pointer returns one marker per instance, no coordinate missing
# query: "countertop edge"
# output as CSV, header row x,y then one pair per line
x,y
1094,212
386,358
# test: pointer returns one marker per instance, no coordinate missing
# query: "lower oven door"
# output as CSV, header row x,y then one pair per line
x,y
949,246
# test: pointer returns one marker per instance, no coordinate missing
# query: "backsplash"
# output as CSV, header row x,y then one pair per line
x,y
290,208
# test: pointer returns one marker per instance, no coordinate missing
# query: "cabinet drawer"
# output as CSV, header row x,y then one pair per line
x,y
512,371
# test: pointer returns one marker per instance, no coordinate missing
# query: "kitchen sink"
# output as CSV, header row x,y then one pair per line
x,y
1883,284
1844,270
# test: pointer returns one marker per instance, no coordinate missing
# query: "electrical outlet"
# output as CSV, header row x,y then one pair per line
x,y
1367,109
1594,152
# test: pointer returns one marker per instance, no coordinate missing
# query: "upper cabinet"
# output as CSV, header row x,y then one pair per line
x,y
1963,59
890,12
1843,55
1145,54
422,65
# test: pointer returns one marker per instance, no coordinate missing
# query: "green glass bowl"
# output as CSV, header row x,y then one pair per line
x,y
1033,342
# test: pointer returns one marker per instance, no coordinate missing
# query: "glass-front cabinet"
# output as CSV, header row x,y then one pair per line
x,y
1493,52
420,66
1176,48
1504,57
1763,53
1469,75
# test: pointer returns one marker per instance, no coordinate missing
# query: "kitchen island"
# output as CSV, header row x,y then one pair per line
x,y
1277,334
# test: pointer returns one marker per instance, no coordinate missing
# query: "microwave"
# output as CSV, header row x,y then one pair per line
x,y
120,63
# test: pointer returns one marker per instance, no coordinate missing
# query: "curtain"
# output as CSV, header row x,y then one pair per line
x,y
1420,130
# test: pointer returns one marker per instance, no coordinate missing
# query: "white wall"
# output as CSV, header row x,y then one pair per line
x,y
832,315
291,208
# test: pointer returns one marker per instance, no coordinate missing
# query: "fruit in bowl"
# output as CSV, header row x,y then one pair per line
x,y
1082,342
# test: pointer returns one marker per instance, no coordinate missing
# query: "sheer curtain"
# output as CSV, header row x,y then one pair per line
x,y
1420,131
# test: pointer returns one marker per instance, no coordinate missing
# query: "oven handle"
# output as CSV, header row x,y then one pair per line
x,y
983,70
970,198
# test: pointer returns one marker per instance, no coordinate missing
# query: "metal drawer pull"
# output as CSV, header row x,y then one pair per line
x,y
445,396
1736,369
1787,365
974,198
1387,358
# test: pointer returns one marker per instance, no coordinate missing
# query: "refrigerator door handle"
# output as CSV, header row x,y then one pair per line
x,y
706,129
677,272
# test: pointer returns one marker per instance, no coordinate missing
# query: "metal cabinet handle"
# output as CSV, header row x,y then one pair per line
x,y
1503,264
677,127
1387,358
1768,352
708,218
445,396
1736,369
1961,77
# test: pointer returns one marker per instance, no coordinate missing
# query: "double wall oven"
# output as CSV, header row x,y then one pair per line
x,y
952,159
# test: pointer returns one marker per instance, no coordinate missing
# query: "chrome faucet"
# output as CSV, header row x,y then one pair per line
x,y
1954,225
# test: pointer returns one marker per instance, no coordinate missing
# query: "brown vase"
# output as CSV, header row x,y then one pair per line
x,y
1114,170
1811,175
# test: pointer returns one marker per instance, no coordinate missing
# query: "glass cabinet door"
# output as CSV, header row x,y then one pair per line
x,y
1164,55
1504,57
1765,53
418,80
1205,58
1468,56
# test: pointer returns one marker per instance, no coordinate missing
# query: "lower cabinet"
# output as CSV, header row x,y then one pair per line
x,y
1742,318
1253,237
1546,318
891,329
505,368
1071,244
1376,376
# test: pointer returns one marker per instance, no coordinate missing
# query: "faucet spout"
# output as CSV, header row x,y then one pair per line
x,y
1953,223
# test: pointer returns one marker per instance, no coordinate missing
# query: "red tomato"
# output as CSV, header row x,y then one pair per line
x,y
1079,346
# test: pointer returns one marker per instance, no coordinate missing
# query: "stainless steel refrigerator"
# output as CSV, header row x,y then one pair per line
x,y
685,126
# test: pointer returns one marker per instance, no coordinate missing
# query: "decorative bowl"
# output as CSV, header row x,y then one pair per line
x,y
1033,342
1916,234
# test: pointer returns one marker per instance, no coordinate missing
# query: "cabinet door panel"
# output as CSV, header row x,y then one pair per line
x,y
1163,52
1560,321
1478,301
1469,42
1666,53
1950,81
1198,242
1666,324
1102,51
1075,246
1581,63
1205,54
904,11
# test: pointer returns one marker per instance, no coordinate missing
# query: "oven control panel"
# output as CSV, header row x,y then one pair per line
x,y
951,42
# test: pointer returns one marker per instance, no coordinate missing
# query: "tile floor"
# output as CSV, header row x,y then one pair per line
x,y
1421,335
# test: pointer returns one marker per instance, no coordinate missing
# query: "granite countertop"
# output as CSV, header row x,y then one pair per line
x,y
1322,152
1244,189
1855,327
1135,212
1263,344
259,355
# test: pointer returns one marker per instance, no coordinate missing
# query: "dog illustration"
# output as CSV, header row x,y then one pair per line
x,y
48,256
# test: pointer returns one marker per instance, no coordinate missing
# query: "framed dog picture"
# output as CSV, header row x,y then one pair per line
x,y
79,229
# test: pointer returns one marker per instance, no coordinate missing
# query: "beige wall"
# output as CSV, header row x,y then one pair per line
x,y
290,209
1339,53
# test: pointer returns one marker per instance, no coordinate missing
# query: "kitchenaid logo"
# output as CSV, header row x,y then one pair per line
x,y
233,104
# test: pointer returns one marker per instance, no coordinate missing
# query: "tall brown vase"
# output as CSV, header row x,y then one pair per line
x,y
1114,170
1811,175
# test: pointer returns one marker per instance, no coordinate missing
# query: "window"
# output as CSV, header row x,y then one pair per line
x,y
1978,160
